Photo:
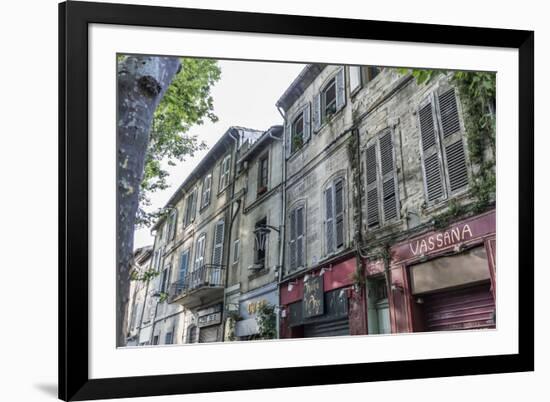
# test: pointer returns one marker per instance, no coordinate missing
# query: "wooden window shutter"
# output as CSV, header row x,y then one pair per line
x,y
339,212
433,178
340,89
300,229
193,204
292,245
452,142
372,187
288,140
448,110
387,167
307,122
316,112
184,264
329,220
354,78
217,254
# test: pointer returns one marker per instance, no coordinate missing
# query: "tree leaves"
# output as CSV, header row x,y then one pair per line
x,y
186,103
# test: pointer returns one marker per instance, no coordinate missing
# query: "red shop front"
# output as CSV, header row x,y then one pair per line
x,y
446,279
323,302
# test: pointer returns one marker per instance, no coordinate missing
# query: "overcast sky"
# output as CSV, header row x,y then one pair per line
x,y
244,96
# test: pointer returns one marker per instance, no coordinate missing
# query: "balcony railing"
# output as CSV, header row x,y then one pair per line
x,y
207,276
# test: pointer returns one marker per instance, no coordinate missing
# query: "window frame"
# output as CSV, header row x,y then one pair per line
x,y
225,173
207,190
257,260
200,238
261,186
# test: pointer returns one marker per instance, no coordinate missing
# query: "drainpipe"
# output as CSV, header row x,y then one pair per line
x,y
282,233
230,230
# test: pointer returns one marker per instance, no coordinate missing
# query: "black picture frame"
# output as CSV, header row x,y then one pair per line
x,y
74,18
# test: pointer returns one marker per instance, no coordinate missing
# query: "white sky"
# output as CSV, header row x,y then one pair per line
x,y
244,96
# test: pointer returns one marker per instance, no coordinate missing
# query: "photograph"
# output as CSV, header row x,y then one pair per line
x,y
272,200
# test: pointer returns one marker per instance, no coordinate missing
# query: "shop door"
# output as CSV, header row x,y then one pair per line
x,y
330,328
467,308
383,314
208,334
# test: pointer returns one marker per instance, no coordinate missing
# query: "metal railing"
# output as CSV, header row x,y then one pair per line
x,y
207,275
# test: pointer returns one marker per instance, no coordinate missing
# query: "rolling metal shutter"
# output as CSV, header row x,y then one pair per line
x,y
208,334
329,328
469,308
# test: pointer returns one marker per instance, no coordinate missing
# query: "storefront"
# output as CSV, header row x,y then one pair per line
x,y
209,324
323,302
445,280
246,328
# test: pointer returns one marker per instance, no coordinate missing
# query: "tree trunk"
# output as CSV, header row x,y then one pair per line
x,y
142,82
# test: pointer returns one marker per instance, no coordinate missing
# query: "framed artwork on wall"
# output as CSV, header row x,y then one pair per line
x,y
261,200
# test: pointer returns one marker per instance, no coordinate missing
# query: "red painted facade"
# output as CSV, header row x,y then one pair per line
x,y
476,231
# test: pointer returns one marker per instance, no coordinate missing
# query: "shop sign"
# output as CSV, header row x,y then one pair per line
x,y
210,319
252,302
451,237
313,302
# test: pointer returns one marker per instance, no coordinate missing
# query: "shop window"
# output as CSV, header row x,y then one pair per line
x,y
334,216
156,340
443,155
168,338
381,181
263,174
297,238
192,334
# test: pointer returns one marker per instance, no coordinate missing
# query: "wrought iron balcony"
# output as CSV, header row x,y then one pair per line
x,y
201,286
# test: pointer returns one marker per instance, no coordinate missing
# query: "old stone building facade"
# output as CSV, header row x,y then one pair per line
x,y
356,216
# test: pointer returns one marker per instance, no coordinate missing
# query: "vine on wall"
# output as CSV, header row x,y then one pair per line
x,y
266,318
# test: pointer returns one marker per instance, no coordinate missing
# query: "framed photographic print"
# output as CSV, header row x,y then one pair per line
x,y
258,200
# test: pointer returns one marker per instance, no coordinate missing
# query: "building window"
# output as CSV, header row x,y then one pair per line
x,y
443,155
165,279
334,216
263,174
225,169
330,99
217,251
190,207
168,338
236,250
298,130
359,76
260,242
206,190
172,222
297,234
184,268
199,251
156,340
381,178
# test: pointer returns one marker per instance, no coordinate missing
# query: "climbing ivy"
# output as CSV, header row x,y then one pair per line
x,y
266,318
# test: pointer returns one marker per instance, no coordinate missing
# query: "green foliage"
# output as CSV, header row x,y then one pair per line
x,y
267,321
455,209
143,276
186,103
163,297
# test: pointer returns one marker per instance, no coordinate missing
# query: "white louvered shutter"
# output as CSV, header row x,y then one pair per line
x,y
339,212
194,204
457,172
300,229
329,219
292,242
340,89
354,78
316,112
217,254
288,139
387,167
307,123
433,178
373,218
